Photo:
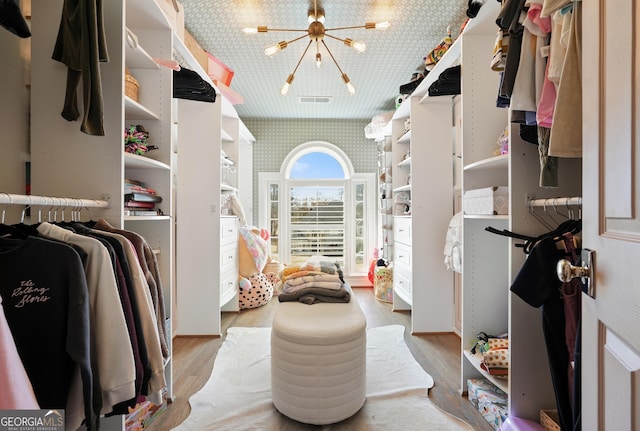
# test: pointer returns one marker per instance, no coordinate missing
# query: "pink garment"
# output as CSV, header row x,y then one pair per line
x,y
534,16
547,102
16,393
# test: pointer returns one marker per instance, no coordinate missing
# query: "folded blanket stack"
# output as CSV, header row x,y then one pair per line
x,y
311,284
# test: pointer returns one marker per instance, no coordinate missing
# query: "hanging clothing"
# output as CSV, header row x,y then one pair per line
x,y
151,270
12,19
81,46
547,102
46,303
112,355
148,325
566,131
531,71
550,6
123,279
17,392
510,19
548,164
538,285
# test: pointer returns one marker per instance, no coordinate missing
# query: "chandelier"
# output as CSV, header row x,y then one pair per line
x,y
316,33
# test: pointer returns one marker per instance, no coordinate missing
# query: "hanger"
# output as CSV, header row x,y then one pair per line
x,y
8,231
21,230
4,210
555,208
569,225
24,210
535,215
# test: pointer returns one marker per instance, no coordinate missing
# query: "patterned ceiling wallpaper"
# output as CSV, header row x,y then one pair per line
x,y
388,62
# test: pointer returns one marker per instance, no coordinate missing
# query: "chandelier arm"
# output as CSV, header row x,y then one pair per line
x,y
296,39
332,57
269,30
334,37
345,28
301,57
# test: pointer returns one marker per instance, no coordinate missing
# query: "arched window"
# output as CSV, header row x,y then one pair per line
x,y
316,165
317,205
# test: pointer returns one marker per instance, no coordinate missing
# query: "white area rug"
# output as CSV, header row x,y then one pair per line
x,y
238,393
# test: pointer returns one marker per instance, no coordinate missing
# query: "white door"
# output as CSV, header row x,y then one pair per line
x,y
611,218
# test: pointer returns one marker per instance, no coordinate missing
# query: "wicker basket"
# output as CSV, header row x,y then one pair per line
x,y
549,420
383,283
131,85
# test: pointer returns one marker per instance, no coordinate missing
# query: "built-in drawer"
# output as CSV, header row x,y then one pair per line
x,y
228,287
402,255
402,230
228,229
402,285
229,257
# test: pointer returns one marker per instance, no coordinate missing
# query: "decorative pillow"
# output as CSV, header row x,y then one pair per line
x,y
260,292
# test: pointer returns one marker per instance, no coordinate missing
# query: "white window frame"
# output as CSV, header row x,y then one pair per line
x,y
355,275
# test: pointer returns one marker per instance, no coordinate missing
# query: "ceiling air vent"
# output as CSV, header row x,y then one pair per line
x,y
314,99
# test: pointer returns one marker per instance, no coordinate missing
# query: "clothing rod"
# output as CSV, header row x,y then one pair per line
x,y
13,199
550,202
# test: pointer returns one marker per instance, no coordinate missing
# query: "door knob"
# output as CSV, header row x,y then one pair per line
x,y
566,271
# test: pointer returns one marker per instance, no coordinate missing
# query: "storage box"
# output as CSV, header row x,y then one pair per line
x,y
229,94
494,413
198,52
486,201
218,71
174,12
491,401
477,388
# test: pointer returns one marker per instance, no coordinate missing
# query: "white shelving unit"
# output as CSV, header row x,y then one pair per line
x,y
206,238
385,193
423,176
490,261
67,162
445,163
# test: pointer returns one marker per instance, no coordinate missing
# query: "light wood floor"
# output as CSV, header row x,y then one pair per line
x,y
439,355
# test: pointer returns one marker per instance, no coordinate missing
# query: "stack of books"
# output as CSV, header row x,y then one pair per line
x,y
140,200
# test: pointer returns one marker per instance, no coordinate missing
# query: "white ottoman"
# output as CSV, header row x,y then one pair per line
x,y
318,361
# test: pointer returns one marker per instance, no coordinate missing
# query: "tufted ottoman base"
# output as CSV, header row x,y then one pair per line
x,y
318,361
